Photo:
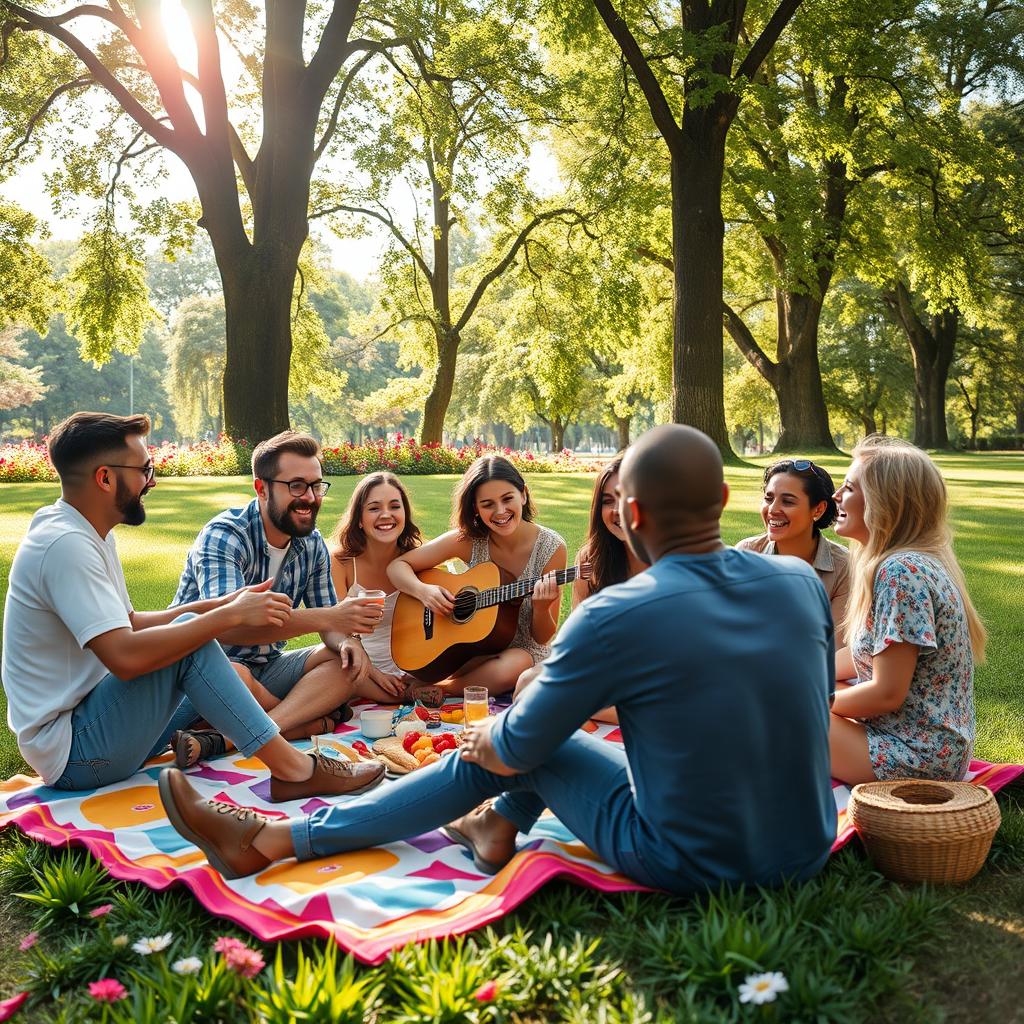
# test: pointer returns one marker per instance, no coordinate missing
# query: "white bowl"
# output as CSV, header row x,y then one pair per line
x,y
375,724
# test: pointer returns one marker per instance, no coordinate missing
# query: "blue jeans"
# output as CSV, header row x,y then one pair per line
x,y
122,723
585,783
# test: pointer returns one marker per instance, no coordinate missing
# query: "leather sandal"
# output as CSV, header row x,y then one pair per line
x,y
191,746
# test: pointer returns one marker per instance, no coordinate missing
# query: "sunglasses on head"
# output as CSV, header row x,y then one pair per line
x,y
794,466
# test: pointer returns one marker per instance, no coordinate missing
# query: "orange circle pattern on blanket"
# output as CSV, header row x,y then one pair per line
x,y
344,869
123,808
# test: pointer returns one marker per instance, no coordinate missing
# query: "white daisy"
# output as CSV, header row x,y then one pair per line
x,y
763,988
188,965
154,945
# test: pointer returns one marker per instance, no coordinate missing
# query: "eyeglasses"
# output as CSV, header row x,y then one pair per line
x,y
149,469
297,488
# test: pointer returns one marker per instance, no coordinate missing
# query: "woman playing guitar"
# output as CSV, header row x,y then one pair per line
x,y
492,520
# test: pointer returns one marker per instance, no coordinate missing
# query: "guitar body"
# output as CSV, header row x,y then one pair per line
x,y
432,650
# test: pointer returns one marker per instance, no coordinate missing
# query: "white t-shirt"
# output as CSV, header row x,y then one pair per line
x,y
277,556
66,587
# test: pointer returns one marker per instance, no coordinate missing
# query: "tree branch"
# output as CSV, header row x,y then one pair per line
x,y
649,254
332,52
747,344
767,39
77,83
647,80
132,107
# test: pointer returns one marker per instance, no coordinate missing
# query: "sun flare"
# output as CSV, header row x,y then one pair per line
x,y
178,30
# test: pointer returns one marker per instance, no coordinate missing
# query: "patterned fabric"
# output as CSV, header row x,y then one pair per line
x,y
370,901
231,551
932,734
546,544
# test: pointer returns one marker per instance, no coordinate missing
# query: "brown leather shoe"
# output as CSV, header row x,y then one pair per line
x,y
222,831
489,838
331,776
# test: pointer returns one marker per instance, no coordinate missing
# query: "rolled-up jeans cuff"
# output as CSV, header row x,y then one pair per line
x,y
510,812
262,739
301,839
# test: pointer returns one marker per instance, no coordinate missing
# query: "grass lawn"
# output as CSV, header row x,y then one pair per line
x,y
853,946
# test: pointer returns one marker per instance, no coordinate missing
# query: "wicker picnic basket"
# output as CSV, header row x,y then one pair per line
x,y
918,831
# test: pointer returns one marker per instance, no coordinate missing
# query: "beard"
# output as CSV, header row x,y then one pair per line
x,y
133,512
284,520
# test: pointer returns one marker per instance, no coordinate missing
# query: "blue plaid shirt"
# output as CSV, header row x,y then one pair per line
x,y
231,551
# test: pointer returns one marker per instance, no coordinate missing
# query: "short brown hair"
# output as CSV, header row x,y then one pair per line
x,y
84,436
267,454
487,467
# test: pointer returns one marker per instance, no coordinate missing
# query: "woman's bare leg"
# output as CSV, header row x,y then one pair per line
x,y
498,673
848,743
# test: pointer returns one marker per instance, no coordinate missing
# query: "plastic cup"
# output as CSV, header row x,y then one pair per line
x,y
475,706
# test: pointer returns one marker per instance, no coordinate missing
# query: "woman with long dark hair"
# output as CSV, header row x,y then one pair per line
x,y
605,548
377,528
493,520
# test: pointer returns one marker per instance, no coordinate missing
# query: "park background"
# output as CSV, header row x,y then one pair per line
x,y
410,227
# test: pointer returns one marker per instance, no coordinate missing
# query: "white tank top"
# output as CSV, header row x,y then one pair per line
x,y
378,643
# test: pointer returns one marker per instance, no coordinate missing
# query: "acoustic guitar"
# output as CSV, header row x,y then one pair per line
x,y
487,599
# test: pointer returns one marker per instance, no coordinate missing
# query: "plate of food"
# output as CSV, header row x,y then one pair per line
x,y
401,755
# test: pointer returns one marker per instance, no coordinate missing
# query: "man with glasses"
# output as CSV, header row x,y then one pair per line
x,y
275,538
94,687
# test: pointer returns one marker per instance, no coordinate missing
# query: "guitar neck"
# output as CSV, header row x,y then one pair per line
x,y
522,588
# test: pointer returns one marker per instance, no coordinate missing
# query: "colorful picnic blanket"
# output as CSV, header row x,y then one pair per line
x,y
370,901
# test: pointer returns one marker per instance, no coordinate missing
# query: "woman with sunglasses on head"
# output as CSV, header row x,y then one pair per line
x,y
377,528
914,634
796,506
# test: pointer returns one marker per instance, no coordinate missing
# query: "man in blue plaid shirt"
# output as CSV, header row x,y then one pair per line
x,y
275,537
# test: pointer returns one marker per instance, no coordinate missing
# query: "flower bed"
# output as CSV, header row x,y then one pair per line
x,y
29,460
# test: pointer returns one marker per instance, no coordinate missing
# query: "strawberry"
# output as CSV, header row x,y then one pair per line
x,y
360,747
422,714
409,739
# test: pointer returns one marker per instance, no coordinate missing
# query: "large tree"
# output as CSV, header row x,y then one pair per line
x,y
692,63
442,144
251,149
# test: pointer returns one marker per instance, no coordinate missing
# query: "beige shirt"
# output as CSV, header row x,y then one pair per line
x,y
831,563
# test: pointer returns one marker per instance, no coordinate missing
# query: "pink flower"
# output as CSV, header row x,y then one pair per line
x,y
9,1007
487,992
101,911
28,942
244,961
226,943
107,990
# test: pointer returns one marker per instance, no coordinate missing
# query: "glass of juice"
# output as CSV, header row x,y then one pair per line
x,y
375,596
474,702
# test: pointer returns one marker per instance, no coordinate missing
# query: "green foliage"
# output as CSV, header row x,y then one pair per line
x,y
68,887
196,350
107,298
27,292
315,989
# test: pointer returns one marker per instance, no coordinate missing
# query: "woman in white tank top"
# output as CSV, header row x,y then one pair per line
x,y
376,528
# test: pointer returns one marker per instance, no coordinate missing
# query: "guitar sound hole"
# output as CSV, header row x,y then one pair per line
x,y
465,606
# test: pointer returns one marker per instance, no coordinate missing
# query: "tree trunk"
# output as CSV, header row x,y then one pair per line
x,y
440,396
257,307
867,419
932,346
622,424
1020,417
802,409
557,428
698,232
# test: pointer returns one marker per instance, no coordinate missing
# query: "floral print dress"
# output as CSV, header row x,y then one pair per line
x,y
932,734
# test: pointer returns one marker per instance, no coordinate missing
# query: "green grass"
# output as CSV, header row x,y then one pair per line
x,y
853,946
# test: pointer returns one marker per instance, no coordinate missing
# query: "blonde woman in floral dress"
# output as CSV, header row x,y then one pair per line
x,y
914,635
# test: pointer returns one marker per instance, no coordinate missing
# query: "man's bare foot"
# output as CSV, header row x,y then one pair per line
x,y
489,837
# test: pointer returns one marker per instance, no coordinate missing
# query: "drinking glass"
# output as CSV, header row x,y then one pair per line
x,y
377,597
474,702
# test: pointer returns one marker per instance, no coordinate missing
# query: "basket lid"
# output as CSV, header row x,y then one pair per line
x,y
921,796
